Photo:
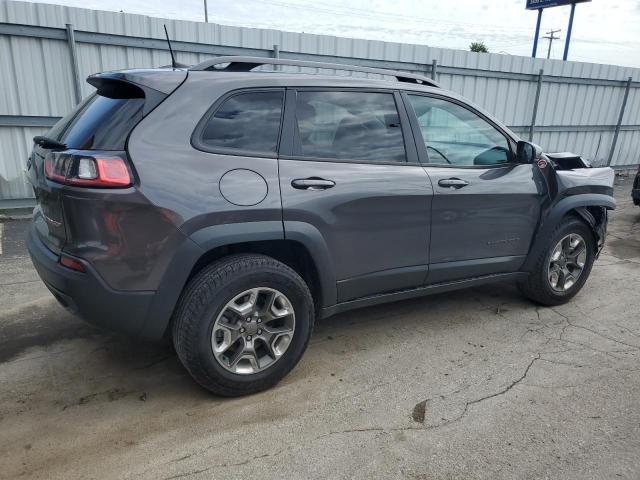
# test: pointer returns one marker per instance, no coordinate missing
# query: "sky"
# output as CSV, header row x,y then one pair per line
x,y
604,31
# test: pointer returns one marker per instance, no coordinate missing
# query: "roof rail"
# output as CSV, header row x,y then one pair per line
x,y
246,64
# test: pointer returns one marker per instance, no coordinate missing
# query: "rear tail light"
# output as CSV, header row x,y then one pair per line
x,y
55,168
88,171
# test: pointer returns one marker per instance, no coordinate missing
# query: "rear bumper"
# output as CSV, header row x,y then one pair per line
x,y
87,295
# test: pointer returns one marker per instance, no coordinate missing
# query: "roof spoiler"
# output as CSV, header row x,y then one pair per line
x,y
153,85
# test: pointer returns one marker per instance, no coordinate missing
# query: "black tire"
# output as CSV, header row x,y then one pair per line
x,y
537,287
203,299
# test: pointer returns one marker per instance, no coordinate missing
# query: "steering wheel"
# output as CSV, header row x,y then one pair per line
x,y
439,153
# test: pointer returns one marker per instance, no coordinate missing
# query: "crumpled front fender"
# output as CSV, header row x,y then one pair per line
x,y
587,192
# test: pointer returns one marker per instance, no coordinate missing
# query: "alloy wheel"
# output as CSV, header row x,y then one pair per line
x,y
253,330
567,262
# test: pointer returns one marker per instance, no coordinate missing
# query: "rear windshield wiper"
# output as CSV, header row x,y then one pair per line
x,y
47,142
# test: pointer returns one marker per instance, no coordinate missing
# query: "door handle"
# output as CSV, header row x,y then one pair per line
x,y
453,183
312,183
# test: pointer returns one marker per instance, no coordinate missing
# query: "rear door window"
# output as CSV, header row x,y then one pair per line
x,y
245,122
100,123
358,126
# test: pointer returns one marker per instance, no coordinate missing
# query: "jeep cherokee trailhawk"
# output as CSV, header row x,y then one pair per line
x,y
228,209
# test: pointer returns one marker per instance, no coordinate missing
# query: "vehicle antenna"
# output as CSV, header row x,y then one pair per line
x,y
173,58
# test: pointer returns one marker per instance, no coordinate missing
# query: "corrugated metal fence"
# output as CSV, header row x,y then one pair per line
x,y
46,51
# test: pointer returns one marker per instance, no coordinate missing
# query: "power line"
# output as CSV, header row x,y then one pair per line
x,y
352,12
550,36
511,45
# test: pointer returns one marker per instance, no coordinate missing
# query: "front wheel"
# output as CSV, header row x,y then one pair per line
x,y
242,324
564,266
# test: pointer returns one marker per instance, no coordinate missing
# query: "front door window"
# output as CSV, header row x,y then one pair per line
x,y
454,135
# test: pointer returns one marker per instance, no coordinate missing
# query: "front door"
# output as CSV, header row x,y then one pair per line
x,y
354,182
485,207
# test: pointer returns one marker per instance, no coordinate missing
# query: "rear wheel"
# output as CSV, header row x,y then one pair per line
x,y
564,266
242,324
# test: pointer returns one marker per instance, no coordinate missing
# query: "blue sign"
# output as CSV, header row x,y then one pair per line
x,y
536,4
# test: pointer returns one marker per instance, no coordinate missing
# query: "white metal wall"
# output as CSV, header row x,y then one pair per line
x,y
578,108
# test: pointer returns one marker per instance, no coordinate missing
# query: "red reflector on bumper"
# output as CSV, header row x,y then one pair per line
x,y
71,263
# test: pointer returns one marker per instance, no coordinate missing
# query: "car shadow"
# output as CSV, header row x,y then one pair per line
x,y
139,369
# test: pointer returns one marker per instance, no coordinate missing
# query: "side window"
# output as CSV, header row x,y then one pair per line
x,y
457,136
247,121
349,126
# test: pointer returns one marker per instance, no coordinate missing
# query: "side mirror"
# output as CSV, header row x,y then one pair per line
x,y
527,152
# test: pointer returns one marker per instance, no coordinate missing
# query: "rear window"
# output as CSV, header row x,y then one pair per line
x,y
100,123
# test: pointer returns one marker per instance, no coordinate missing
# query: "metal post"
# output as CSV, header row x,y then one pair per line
x,y
71,40
434,69
566,43
276,54
535,105
206,14
535,40
617,131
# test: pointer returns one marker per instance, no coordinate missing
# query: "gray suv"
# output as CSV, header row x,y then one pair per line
x,y
228,209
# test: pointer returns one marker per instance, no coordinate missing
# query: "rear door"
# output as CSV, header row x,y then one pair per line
x,y
348,177
485,206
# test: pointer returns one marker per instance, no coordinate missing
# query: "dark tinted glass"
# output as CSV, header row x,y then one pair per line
x,y
455,135
59,127
350,126
100,123
247,121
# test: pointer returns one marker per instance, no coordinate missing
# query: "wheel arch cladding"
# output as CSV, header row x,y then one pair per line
x,y
270,238
300,250
592,208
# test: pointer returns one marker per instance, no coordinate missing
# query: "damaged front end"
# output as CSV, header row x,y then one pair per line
x,y
572,179
597,218
567,161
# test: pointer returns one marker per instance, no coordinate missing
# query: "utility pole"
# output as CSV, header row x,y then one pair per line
x,y
206,15
551,38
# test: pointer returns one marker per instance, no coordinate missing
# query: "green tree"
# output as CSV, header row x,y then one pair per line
x,y
479,47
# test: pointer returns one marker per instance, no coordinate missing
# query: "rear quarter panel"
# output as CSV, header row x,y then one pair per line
x,y
185,181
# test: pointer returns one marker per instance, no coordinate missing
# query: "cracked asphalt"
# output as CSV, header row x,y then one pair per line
x,y
475,384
